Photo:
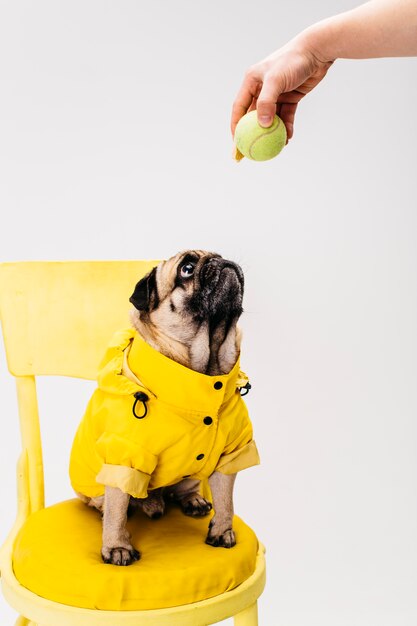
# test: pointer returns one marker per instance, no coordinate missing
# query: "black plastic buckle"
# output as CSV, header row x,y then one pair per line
x,y
140,396
245,389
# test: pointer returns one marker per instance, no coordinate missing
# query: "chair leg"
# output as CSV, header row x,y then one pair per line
x,y
248,617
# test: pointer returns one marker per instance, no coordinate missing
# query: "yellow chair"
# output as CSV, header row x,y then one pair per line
x,y
52,313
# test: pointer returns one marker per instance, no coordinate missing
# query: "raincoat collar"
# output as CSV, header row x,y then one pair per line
x,y
177,385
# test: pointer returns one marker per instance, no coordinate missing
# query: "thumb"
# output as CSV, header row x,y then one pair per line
x,y
267,101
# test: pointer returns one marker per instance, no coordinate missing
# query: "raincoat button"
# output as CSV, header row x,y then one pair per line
x,y
218,385
208,420
200,456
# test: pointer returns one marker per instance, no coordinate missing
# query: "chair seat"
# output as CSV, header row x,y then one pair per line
x,y
57,556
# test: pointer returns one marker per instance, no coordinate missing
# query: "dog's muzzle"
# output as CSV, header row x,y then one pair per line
x,y
216,271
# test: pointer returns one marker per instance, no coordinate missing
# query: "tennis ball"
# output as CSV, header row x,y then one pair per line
x,y
255,141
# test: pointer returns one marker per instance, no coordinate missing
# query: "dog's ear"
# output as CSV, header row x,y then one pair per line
x,y
145,295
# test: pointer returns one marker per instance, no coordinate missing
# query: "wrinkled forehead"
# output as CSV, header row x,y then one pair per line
x,y
167,271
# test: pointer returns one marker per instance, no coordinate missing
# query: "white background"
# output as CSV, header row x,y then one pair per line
x,y
114,143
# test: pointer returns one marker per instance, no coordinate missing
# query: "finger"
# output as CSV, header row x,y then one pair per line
x,y
287,114
267,101
248,91
253,105
293,96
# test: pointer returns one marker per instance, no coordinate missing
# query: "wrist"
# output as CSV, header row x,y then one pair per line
x,y
320,40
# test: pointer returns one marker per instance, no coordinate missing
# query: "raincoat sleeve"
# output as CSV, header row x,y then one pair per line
x,y
241,452
126,465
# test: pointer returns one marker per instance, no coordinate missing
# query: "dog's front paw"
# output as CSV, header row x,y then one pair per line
x,y
195,505
120,556
225,539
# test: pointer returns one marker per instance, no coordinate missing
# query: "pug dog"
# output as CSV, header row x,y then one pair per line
x,y
185,322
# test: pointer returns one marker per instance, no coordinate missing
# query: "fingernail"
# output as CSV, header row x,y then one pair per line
x,y
265,120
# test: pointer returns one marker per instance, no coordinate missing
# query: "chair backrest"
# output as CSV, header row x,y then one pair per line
x,y
58,317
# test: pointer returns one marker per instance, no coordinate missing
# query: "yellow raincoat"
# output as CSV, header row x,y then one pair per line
x,y
194,424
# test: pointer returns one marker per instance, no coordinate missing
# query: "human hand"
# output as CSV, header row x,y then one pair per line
x,y
380,28
279,82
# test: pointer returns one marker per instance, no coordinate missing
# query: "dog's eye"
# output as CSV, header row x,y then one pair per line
x,y
187,270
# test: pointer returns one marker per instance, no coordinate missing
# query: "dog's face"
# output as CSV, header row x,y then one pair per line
x,y
191,294
189,289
